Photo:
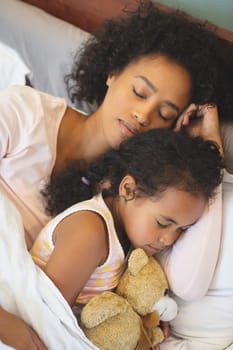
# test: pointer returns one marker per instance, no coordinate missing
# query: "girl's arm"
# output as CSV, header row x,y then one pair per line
x,y
190,263
81,245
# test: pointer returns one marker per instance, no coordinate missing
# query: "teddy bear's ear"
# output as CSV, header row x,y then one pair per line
x,y
137,260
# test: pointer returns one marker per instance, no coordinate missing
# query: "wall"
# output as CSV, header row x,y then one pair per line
x,y
219,12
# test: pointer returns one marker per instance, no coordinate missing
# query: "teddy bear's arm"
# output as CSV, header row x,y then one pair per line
x,y
101,308
144,342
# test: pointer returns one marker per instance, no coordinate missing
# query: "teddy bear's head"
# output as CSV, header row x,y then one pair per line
x,y
114,320
145,286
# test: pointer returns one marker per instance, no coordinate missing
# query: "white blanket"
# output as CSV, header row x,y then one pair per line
x,y
27,292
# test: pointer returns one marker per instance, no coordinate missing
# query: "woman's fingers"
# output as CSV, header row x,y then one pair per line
x,y
201,120
185,117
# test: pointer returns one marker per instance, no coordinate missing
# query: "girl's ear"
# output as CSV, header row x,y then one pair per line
x,y
127,187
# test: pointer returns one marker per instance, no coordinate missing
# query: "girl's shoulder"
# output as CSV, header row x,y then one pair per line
x,y
86,228
85,220
92,213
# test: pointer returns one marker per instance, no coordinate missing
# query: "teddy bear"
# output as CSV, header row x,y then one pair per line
x,y
129,318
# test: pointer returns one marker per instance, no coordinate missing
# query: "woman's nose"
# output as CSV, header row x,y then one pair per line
x,y
146,112
142,120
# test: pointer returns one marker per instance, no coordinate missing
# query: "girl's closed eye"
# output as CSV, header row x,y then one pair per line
x,y
182,229
162,225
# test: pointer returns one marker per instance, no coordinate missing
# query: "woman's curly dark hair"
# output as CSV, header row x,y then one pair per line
x,y
149,31
157,159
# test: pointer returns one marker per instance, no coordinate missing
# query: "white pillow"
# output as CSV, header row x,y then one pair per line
x,y
45,43
227,138
13,71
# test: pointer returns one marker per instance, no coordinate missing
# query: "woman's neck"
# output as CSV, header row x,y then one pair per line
x,y
80,137
92,143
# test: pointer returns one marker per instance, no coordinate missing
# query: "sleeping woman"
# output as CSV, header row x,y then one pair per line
x,y
143,72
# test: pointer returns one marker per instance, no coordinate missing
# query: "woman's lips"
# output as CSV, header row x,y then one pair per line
x,y
127,130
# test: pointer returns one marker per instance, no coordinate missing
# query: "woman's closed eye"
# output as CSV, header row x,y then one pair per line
x,y
167,113
138,93
165,118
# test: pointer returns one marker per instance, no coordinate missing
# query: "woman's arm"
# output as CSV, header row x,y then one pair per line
x,y
17,334
201,121
81,245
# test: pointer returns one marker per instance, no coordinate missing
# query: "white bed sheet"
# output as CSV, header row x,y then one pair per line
x,y
27,292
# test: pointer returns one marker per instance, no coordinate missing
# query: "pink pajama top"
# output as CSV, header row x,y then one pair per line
x,y
106,276
29,124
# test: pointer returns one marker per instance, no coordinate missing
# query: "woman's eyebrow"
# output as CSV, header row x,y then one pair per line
x,y
148,82
154,89
172,105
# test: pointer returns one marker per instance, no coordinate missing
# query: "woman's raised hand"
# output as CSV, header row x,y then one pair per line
x,y
201,120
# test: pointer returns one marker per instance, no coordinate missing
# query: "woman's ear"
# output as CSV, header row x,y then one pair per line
x,y
110,79
127,187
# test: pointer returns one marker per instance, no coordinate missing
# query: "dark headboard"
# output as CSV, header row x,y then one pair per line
x,y
88,15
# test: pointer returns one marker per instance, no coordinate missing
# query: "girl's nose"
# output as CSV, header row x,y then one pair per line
x,y
168,239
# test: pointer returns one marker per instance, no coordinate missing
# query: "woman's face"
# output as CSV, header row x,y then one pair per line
x,y
149,93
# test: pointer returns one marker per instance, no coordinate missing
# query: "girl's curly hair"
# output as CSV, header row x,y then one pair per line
x,y
157,159
150,31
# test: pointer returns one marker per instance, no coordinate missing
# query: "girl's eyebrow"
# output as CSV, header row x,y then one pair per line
x,y
169,219
154,89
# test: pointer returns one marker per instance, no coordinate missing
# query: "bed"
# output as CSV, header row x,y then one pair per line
x,y
45,34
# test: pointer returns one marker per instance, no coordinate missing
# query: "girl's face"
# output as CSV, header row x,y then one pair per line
x,y
149,93
156,223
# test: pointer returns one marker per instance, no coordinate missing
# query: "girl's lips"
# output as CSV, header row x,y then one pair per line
x,y
127,129
154,250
